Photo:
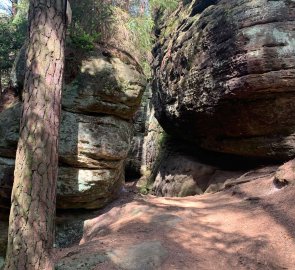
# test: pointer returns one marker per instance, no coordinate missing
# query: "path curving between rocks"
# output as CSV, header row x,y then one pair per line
x,y
248,226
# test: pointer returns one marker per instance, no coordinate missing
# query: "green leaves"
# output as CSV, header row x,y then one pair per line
x,y
91,20
84,41
142,27
164,4
12,36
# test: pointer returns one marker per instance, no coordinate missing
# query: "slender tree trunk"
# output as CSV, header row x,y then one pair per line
x,y
0,81
32,216
14,7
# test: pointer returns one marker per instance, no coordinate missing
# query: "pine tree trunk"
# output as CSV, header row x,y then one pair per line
x,y
0,81
32,216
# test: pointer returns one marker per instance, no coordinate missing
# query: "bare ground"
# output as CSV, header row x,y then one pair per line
x,y
249,226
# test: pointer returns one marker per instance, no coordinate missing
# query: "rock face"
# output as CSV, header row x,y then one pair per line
x,y
225,76
145,154
6,180
285,174
181,174
140,123
99,100
105,85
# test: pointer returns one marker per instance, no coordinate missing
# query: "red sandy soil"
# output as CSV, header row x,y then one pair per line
x,y
250,226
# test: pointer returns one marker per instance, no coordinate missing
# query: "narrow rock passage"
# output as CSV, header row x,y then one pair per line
x,y
250,226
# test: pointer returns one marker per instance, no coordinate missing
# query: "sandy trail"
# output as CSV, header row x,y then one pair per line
x,y
250,226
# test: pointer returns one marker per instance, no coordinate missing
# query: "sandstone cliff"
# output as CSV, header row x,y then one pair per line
x,y
225,76
100,97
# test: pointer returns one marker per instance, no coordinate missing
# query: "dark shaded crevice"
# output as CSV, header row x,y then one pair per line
x,y
200,6
93,114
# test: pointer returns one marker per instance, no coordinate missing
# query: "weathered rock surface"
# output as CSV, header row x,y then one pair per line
x,y
95,171
145,154
99,101
181,175
285,174
180,171
93,141
105,85
6,180
134,160
9,130
152,147
84,188
146,144
225,76
85,141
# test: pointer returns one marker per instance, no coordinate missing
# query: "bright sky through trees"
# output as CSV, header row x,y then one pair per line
x,y
4,6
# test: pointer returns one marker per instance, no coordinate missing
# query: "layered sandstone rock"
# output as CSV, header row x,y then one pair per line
x,y
145,154
140,122
182,173
105,85
99,101
225,76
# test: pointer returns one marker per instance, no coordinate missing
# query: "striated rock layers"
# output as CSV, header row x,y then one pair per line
x,y
225,76
145,151
99,100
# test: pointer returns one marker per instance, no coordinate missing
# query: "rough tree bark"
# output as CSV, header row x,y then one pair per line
x,y
0,81
32,216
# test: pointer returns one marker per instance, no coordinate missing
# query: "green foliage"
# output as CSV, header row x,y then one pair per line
x,y
6,34
142,25
164,4
12,36
21,16
84,41
91,22
144,190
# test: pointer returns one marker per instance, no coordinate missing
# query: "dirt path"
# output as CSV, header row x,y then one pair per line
x,y
250,226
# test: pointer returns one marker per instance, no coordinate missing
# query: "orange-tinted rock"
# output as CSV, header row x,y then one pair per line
x,y
286,173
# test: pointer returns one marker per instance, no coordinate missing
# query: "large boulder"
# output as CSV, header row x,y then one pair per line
x,y
76,187
106,84
85,141
90,189
93,141
225,76
99,100
92,153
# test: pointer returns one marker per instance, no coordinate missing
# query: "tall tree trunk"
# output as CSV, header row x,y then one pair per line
x,y
0,81
14,7
32,216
